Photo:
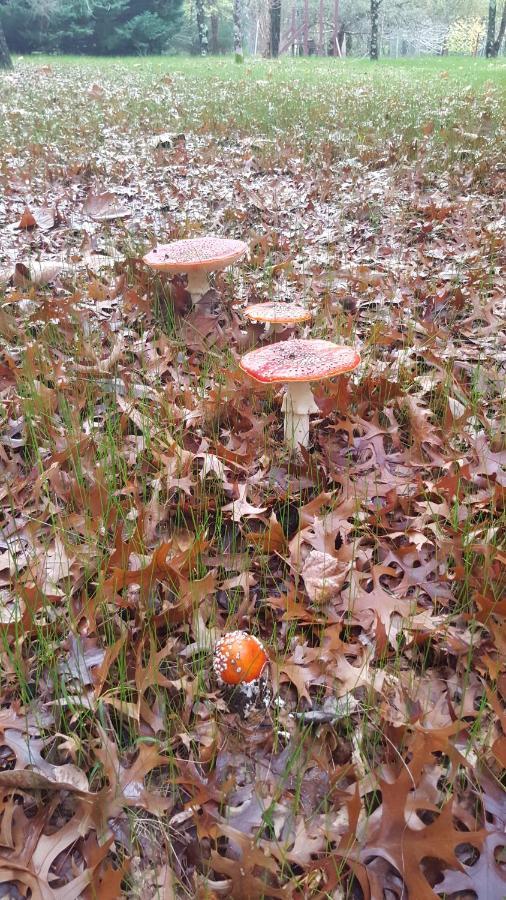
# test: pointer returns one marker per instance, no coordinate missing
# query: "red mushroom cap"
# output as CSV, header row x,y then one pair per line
x,y
191,254
239,657
277,313
299,360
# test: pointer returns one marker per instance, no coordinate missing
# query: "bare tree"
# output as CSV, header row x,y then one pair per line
x,y
5,57
305,38
374,43
321,47
275,27
493,44
336,48
215,24
203,37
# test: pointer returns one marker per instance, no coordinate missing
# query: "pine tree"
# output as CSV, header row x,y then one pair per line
x,y
93,26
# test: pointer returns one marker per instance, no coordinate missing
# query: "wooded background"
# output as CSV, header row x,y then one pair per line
x,y
264,27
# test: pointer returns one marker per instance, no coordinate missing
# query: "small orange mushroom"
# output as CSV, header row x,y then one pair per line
x,y
239,658
277,317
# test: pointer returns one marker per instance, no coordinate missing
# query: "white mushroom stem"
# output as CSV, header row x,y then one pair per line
x,y
277,327
298,404
198,284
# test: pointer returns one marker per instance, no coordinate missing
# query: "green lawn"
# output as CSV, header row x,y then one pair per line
x,y
301,100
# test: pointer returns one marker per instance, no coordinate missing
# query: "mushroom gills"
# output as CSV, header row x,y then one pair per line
x,y
298,404
198,284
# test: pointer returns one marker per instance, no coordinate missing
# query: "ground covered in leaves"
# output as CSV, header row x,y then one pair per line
x,y
147,504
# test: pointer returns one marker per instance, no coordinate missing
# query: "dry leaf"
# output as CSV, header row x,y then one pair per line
x,y
105,207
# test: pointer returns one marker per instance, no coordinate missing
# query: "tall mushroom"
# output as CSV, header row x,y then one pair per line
x,y
196,257
295,364
277,317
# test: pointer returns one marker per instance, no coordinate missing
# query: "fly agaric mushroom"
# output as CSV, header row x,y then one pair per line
x,y
196,257
295,363
277,316
239,657
240,664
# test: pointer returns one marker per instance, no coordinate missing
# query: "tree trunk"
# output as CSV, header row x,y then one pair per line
x,y
496,45
492,11
374,45
215,22
335,36
321,44
203,37
294,28
5,57
305,41
275,27
238,31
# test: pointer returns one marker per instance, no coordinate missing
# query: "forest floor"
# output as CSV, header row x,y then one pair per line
x,y
148,506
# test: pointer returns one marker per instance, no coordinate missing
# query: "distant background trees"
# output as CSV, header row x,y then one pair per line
x,y
5,57
91,26
264,27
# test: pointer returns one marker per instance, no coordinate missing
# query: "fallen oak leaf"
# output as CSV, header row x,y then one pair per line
x,y
244,581
241,508
106,881
30,765
36,272
54,566
101,672
406,847
299,675
149,675
211,465
353,677
331,868
378,602
33,854
43,218
323,576
33,600
405,841
8,329
126,784
105,207
270,540
156,570
96,92
484,877
247,886
56,778
293,610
